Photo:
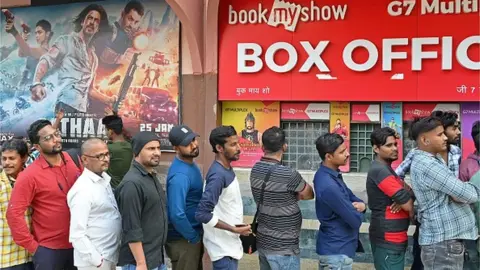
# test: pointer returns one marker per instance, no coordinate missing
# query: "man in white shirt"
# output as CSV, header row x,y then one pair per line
x,y
95,225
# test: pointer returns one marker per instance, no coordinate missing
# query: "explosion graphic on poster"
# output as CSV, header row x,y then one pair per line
x,y
86,60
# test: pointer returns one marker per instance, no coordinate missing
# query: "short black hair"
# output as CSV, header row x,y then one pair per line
x,y
104,26
113,122
380,135
136,5
423,125
273,139
18,145
327,144
476,135
46,25
448,119
219,136
34,128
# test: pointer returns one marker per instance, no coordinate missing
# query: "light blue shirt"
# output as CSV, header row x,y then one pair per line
x,y
75,74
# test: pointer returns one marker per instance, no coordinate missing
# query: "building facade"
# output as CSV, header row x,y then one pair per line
x,y
312,67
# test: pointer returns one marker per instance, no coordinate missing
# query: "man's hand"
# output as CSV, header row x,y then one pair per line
x,y
10,27
243,230
395,208
126,58
25,36
108,111
60,114
38,93
359,206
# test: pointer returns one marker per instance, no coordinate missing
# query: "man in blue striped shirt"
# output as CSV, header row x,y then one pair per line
x,y
444,211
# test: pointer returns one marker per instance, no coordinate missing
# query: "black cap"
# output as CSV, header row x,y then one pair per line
x,y
141,139
181,135
112,121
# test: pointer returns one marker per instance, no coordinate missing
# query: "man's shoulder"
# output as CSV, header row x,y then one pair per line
x,y
455,149
379,170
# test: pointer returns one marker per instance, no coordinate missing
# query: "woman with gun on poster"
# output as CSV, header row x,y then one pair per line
x,y
43,35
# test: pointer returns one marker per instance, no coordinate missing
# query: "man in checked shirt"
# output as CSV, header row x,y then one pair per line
x,y
14,153
443,200
452,155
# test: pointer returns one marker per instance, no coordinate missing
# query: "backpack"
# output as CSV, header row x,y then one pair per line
x,y
74,153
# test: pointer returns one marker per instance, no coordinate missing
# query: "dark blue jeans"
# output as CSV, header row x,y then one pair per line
x,y
225,263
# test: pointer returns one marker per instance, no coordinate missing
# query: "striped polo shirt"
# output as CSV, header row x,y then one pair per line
x,y
280,219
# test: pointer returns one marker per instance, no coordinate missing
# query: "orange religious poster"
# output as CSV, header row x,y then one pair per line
x,y
250,119
340,124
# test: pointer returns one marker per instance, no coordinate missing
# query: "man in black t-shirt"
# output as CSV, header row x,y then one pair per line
x,y
391,203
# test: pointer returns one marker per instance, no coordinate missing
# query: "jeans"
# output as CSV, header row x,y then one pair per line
x,y
225,263
278,262
446,255
472,260
335,262
133,267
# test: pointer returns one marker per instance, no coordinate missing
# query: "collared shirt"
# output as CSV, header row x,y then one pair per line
x,y
339,221
10,253
454,158
75,72
95,225
443,201
142,204
44,188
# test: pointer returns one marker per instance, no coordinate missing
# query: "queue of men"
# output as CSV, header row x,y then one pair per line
x,y
60,215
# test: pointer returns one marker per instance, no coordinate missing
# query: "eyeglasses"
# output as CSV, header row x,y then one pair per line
x,y
56,134
101,157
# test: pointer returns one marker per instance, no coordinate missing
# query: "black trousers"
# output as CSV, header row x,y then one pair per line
x,y
417,259
53,259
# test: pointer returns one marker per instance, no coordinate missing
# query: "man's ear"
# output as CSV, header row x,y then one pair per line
x,y
219,148
376,149
83,158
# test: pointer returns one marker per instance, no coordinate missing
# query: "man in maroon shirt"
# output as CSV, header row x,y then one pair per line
x,y
43,186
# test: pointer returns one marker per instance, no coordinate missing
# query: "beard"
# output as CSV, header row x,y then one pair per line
x,y
192,154
54,151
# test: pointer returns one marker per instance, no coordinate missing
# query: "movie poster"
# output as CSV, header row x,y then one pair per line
x,y
340,124
470,114
85,60
250,119
392,118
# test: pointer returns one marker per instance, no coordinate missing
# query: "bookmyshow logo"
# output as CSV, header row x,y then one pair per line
x,y
286,14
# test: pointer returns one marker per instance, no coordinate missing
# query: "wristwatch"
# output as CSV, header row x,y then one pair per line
x,y
36,84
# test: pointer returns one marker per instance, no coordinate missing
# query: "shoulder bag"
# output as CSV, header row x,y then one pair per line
x,y
249,242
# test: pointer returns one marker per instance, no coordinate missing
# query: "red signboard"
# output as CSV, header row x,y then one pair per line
x,y
305,111
366,113
304,50
413,110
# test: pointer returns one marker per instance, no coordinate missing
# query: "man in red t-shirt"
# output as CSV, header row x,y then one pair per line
x,y
388,225
43,186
